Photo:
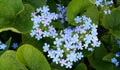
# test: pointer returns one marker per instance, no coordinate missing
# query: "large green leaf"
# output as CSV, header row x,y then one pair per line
x,y
96,60
7,15
8,62
32,58
9,28
16,5
23,21
36,3
112,22
4,14
13,16
81,66
93,13
110,43
76,7
92,1
8,11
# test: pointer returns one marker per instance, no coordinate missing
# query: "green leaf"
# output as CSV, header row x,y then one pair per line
x,y
23,21
9,28
8,62
55,66
96,60
117,2
8,10
108,57
92,1
13,16
110,43
27,39
8,43
36,3
57,25
16,5
4,14
52,5
93,13
112,22
76,7
81,66
32,58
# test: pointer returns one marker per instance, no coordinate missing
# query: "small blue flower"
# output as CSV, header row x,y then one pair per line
x,y
58,42
117,64
114,60
62,14
77,19
14,45
2,46
46,47
69,65
117,54
118,41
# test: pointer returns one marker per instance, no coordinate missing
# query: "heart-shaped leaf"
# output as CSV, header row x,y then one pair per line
x,y
96,60
8,62
76,7
112,22
93,13
32,58
21,23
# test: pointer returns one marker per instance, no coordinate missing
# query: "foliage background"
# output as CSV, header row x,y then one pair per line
x,y
15,25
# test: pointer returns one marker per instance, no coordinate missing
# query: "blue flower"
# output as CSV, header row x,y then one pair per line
x,y
114,60
69,65
77,19
62,14
118,41
117,54
14,45
46,47
2,46
117,64
58,42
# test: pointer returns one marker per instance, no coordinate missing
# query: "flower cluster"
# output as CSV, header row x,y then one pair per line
x,y
105,4
2,46
70,42
114,59
62,13
42,19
